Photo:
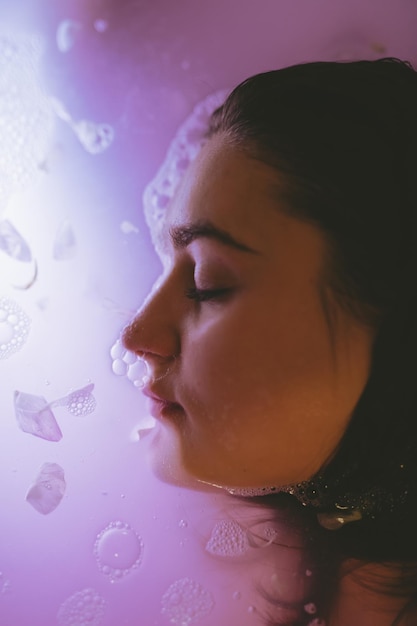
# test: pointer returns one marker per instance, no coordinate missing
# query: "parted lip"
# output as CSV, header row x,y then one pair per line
x,y
158,397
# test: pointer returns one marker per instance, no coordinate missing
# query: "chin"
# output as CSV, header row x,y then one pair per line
x,y
163,453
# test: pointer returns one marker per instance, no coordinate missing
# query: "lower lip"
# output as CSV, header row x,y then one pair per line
x,y
164,410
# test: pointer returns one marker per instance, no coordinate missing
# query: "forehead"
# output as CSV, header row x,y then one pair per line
x,y
227,187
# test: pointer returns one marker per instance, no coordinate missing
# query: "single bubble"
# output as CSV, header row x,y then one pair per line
x,y
138,372
101,25
14,327
186,601
129,357
83,608
67,34
119,367
117,350
310,608
236,595
118,550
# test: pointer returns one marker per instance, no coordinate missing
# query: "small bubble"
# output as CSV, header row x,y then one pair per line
x,y
117,350
119,367
129,357
101,25
310,608
183,523
309,572
237,595
67,34
251,609
118,550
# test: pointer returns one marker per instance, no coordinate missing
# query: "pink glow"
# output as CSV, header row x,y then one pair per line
x,y
77,260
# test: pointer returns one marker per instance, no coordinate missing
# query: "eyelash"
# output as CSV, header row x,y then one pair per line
x,y
204,295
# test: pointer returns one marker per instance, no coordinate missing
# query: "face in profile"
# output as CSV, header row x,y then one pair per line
x,y
247,383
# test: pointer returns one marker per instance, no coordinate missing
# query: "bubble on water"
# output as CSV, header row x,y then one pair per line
x,y
64,247
67,34
26,115
119,367
138,373
130,358
310,608
227,539
83,608
101,25
95,138
117,350
186,602
14,327
251,609
186,144
118,550
127,363
236,595
127,228
34,416
82,401
48,489
309,572
12,242
78,402
4,584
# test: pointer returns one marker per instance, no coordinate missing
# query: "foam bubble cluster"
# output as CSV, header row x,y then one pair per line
x,y
26,115
228,539
83,608
185,146
81,401
186,602
14,327
126,363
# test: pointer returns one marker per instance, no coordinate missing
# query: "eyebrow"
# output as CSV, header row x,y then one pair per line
x,y
185,234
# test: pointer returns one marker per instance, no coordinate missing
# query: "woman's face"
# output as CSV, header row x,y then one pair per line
x,y
244,380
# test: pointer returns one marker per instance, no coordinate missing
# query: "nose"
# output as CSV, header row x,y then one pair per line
x,y
154,333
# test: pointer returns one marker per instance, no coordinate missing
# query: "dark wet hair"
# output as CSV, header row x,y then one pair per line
x,y
343,139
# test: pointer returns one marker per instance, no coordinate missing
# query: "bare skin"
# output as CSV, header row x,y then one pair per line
x,y
264,397
248,387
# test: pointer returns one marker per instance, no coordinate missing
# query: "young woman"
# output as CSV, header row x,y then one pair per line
x,y
280,338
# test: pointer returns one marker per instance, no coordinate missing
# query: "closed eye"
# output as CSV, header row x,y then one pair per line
x,y
204,295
